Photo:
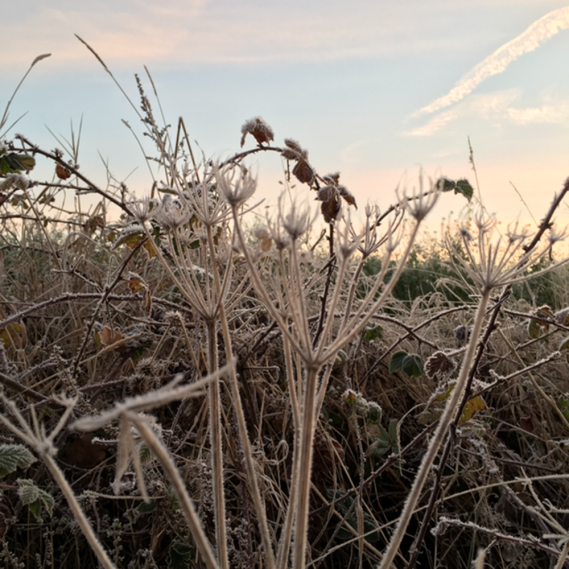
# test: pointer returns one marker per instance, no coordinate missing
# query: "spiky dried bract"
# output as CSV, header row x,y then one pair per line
x,y
347,241
421,200
259,129
296,220
142,209
502,261
172,214
234,184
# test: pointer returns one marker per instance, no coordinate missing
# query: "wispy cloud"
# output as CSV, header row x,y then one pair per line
x,y
434,124
553,114
539,32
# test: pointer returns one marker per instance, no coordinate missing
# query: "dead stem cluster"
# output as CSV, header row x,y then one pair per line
x,y
200,394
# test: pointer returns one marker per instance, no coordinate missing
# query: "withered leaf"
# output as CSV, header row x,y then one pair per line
x,y
303,172
438,362
62,172
331,208
110,337
259,129
348,197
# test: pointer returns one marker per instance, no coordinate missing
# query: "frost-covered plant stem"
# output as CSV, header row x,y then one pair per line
x,y
304,470
248,455
438,436
186,504
43,445
214,402
78,513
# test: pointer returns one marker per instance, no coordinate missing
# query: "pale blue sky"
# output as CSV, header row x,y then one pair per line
x,y
347,80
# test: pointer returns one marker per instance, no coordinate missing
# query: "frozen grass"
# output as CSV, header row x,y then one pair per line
x,y
206,395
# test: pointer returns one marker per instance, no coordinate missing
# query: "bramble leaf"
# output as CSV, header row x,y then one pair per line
x,y
13,457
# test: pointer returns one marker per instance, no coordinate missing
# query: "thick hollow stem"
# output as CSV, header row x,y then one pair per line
x,y
216,448
304,470
248,455
437,439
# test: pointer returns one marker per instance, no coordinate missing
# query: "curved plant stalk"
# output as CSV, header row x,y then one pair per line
x,y
252,481
78,513
157,447
438,437
43,445
214,401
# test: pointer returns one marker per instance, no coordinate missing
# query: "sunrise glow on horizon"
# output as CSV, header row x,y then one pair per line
x,y
375,91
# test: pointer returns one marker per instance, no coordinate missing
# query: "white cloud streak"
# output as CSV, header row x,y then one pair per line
x,y
540,31
434,124
552,114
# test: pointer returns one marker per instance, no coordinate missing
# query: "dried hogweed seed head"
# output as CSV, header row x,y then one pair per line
x,y
296,221
142,209
172,214
234,184
420,201
259,129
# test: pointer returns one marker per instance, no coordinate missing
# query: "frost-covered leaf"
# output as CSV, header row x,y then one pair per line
x,y
373,333
181,555
34,498
13,457
410,364
27,491
438,362
472,407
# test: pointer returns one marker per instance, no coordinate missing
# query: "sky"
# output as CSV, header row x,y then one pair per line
x,y
375,89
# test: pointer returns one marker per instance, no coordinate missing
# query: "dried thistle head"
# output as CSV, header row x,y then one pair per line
x,y
294,220
142,209
259,129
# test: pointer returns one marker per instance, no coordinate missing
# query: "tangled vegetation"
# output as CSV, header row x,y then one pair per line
x,y
180,390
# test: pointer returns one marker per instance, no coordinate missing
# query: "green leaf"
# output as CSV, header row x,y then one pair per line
x,y
47,501
13,457
145,508
35,498
14,163
373,333
181,554
410,364
461,186
397,361
394,434
35,509
28,491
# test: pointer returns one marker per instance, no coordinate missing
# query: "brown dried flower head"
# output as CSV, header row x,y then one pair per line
x,y
260,130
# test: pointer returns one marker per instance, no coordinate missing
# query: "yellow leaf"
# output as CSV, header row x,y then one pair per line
x,y
471,408
445,395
